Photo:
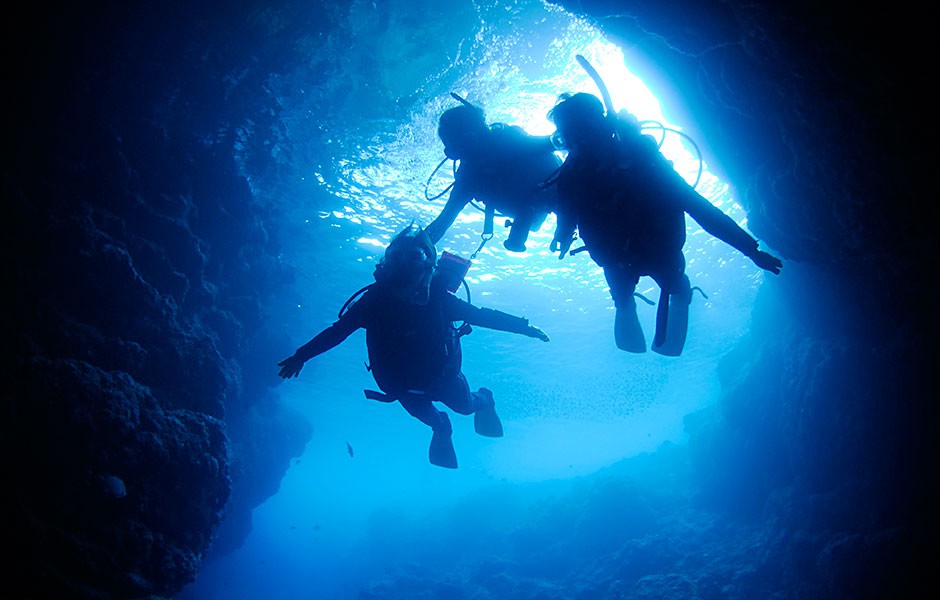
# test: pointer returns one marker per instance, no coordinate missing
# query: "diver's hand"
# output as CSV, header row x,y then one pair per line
x,y
291,366
534,332
767,262
561,246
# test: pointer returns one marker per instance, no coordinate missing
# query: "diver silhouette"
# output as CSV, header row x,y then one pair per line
x,y
628,205
501,166
413,347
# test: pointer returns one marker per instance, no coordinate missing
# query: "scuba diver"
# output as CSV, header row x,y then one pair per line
x,y
628,205
413,346
501,166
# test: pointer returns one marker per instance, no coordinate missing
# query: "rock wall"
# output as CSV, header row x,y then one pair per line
x,y
826,418
137,424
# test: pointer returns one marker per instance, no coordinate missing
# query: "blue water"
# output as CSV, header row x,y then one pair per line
x,y
573,409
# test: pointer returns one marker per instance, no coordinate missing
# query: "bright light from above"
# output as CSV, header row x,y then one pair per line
x,y
380,180
388,180
627,91
392,171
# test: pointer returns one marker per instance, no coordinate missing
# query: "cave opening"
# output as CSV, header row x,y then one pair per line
x,y
563,423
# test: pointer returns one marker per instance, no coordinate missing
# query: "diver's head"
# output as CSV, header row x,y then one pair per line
x,y
408,264
578,118
460,128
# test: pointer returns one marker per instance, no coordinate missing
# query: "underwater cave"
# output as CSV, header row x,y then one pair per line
x,y
195,190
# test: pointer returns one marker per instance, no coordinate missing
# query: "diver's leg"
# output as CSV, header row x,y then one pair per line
x,y
519,231
677,324
628,334
455,394
538,219
421,408
441,451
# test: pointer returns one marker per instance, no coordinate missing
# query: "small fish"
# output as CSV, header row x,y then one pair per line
x,y
350,450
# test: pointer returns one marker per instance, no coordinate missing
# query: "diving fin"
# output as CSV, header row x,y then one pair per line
x,y
485,420
442,453
677,323
628,334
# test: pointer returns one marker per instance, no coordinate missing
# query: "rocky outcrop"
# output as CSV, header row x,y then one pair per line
x,y
139,266
114,496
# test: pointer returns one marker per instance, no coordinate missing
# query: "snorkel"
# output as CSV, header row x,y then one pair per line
x,y
599,82
623,120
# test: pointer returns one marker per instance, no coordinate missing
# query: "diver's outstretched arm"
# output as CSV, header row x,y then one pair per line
x,y
291,366
723,227
460,310
455,203
767,261
327,339
535,332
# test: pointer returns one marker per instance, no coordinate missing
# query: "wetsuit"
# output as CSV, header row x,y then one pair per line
x,y
414,350
506,173
628,205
